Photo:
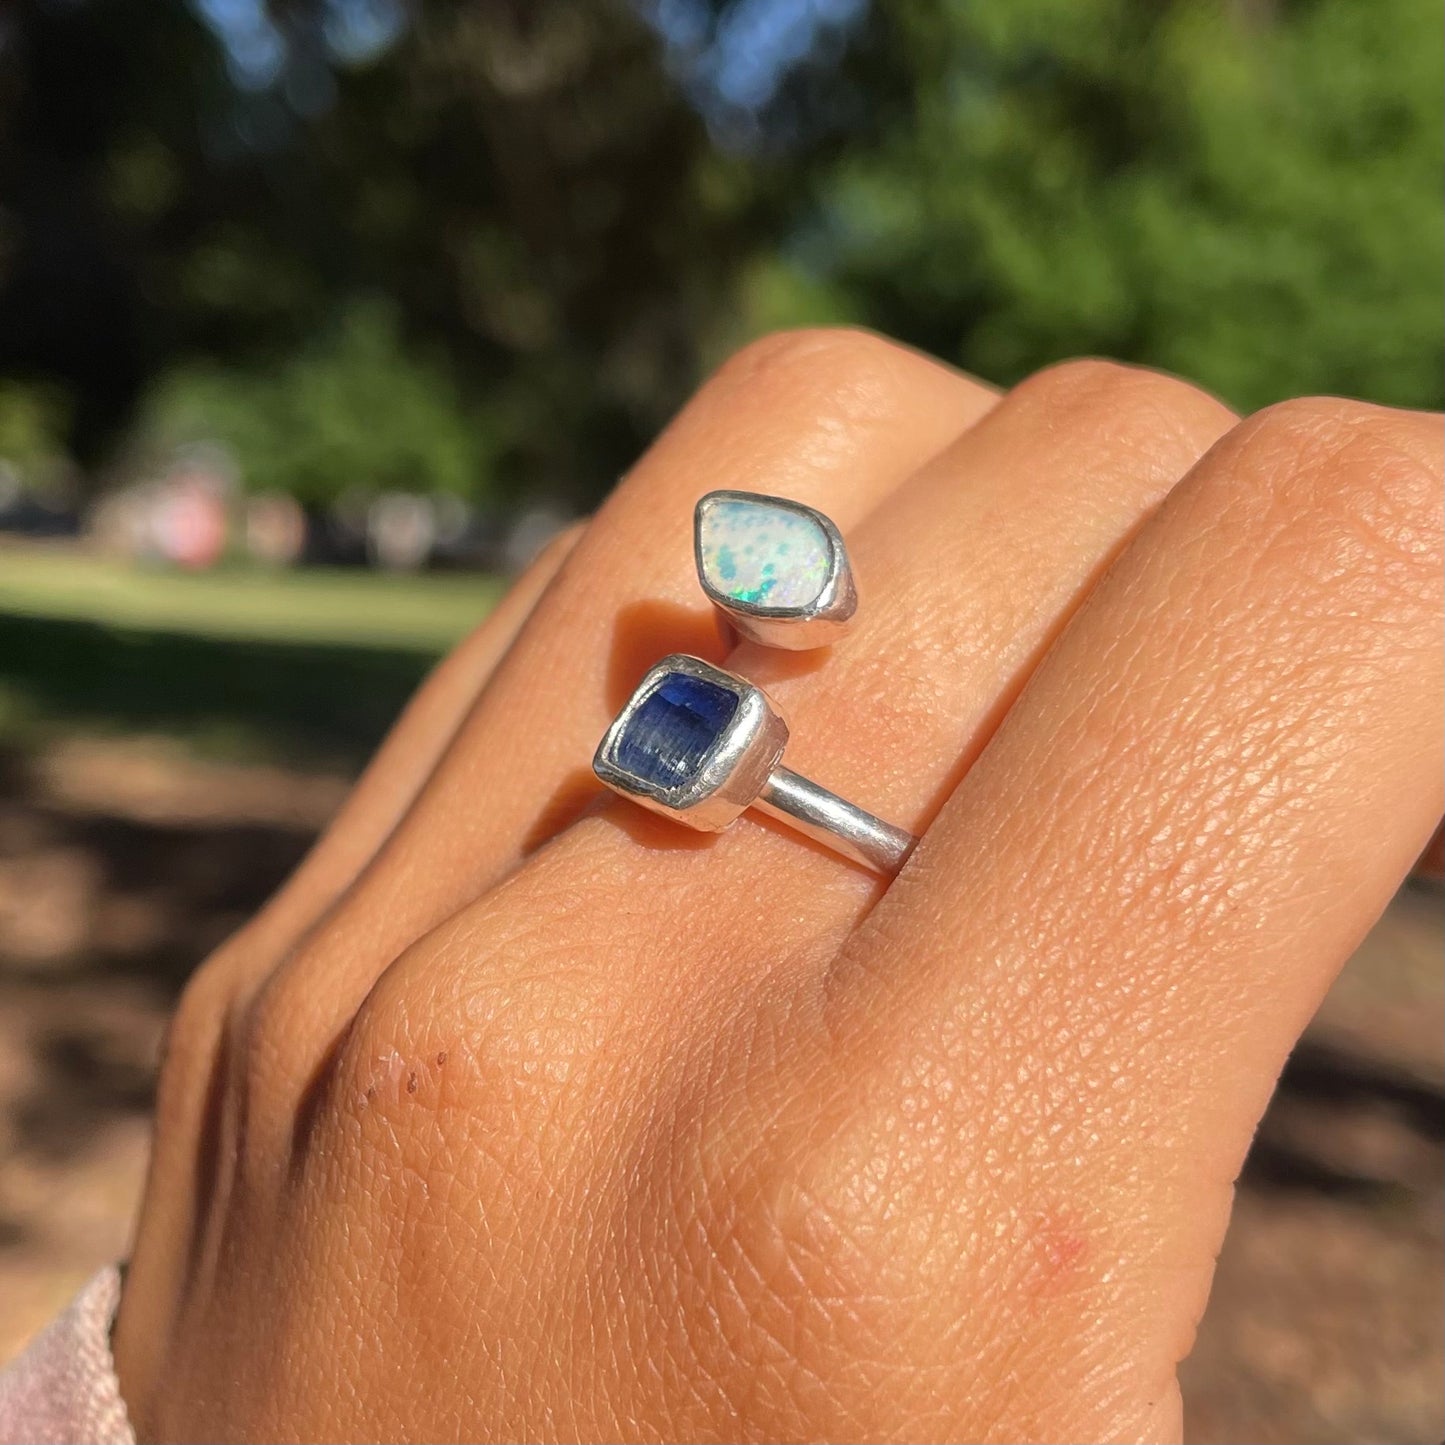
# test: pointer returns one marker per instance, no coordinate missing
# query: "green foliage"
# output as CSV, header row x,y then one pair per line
x,y
31,428
521,181
1246,193
355,410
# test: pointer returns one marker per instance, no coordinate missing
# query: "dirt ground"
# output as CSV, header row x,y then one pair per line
x,y
121,864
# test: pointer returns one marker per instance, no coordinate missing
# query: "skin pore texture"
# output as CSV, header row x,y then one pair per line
x,y
522,1114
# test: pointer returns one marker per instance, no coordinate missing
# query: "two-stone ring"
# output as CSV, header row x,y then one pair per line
x,y
702,745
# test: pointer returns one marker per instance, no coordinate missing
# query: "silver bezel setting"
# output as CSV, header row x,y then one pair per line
x,y
793,628
734,771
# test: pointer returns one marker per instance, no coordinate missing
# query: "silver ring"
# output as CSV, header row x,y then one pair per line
x,y
702,745
776,569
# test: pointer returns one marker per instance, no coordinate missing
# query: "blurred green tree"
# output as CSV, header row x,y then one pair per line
x,y
530,185
217,180
32,423
1244,191
352,410
575,205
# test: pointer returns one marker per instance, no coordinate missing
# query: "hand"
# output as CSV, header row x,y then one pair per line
x,y
521,1114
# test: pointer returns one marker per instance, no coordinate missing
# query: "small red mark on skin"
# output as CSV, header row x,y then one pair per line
x,y
411,1083
1057,1249
441,1058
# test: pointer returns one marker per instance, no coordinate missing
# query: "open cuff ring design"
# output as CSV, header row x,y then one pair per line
x,y
702,745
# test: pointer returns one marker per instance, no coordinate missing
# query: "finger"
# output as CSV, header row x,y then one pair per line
x,y
971,567
969,570
393,777
382,794
833,419
1085,986
631,971
407,756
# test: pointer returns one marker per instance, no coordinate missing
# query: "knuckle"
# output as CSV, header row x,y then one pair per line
x,y
273,1041
1306,424
1086,383
194,1036
1371,472
377,1067
1295,444
1358,439
1150,413
208,996
801,1224
836,1240
460,1032
1081,380
383,1099
459,1097
277,1017
860,370
804,348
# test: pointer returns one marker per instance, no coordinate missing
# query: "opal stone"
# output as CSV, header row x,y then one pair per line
x,y
673,729
762,555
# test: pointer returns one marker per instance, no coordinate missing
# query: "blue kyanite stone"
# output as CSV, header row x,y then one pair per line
x,y
674,729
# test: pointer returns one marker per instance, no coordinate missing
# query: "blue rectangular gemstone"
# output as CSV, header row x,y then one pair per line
x,y
673,729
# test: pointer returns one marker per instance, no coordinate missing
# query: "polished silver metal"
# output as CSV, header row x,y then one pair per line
x,y
835,822
743,769
815,622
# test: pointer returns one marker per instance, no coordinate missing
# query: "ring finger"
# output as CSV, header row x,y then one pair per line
x,y
837,419
969,570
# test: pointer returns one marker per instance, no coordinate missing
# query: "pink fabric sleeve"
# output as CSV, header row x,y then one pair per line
x,y
62,1389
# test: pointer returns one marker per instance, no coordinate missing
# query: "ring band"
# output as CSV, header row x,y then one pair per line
x,y
835,822
702,745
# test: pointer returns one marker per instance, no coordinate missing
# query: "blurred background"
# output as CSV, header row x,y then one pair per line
x,y
318,316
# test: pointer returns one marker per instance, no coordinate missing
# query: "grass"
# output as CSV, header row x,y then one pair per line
x,y
309,605
304,667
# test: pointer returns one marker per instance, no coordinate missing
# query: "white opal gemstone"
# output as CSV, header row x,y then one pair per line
x,y
761,555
